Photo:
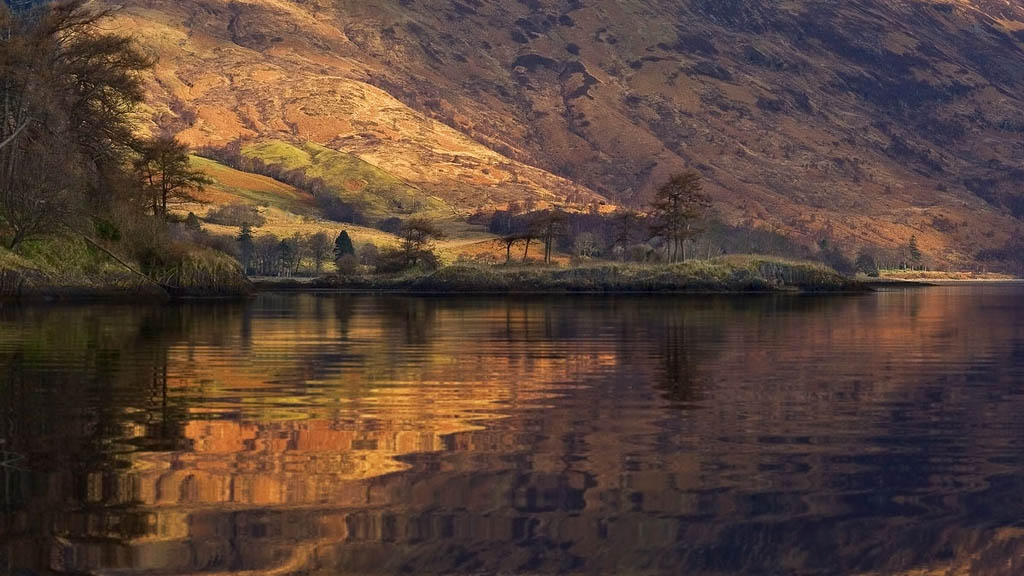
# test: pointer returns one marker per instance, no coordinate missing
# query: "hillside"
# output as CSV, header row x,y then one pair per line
x,y
868,120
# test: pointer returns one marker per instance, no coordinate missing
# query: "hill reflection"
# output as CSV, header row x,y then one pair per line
x,y
364,434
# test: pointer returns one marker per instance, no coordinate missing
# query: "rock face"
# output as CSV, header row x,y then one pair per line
x,y
870,120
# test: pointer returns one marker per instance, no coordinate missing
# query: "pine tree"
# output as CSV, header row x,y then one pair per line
x,y
246,247
914,252
343,246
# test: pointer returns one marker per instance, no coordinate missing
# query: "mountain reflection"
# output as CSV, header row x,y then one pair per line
x,y
876,434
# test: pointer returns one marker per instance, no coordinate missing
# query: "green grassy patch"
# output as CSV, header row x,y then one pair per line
x,y
69,267
64,266
377,193
243,187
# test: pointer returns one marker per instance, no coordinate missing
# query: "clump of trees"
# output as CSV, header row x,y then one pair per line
x,y
267,254
677,211
68,89
680,224
71,160
416,247
678,215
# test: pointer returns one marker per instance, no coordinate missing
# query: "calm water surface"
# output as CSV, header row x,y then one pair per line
x,y
873,435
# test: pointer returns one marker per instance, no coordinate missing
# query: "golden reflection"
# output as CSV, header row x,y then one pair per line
x,y
329,434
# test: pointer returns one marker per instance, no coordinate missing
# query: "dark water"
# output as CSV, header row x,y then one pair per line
x,y
324,434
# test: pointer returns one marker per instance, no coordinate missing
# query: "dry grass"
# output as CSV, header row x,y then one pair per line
x,y
730,274
938,275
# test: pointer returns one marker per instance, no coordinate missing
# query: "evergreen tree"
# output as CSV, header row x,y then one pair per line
x,y
343,246
287,257
246,248
914,252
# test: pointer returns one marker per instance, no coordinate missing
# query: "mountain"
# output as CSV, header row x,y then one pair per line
x,y
867,120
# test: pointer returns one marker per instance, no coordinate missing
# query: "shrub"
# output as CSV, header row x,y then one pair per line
x,y
392,225
236,215
369,255
348,265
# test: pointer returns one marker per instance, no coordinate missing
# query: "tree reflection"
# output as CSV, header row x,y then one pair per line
x,y
318,434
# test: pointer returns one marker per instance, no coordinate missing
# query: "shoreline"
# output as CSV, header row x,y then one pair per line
x,y
733,275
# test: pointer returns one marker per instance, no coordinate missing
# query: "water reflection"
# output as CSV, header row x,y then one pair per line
x,y
329,434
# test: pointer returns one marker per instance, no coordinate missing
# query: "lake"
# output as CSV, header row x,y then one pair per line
x,y
876,434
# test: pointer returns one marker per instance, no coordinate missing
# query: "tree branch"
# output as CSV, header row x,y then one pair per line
x,y
14,135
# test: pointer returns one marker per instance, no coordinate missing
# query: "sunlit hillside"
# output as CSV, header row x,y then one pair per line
x,y
870,121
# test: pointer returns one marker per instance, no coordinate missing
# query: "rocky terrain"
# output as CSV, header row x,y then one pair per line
x,y
866,120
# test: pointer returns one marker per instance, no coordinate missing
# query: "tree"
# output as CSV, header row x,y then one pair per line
x,y
299,245
368,254
625,227
267,254
347,265
343,246
509,242
678,207
548,226
192,222
865,264
67,93
586,245
832,255
246,247
914,252
418,235
319,249
167,175
41,195
288,257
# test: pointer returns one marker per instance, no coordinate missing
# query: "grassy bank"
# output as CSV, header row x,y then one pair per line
x,y
70,268
724,275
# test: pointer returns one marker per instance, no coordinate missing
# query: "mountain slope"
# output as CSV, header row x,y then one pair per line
x,y
869,120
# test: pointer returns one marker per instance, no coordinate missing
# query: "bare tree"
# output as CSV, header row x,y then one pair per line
x,y
67,90
320,247
42,195
548,226
626,225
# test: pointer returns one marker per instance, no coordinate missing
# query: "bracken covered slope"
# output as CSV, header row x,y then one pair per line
x,y
870,120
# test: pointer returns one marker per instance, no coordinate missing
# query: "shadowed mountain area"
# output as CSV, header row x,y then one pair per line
x,y
869,120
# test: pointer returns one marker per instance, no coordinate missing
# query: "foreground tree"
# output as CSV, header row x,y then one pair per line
x,y
167,175
68,90
678,208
